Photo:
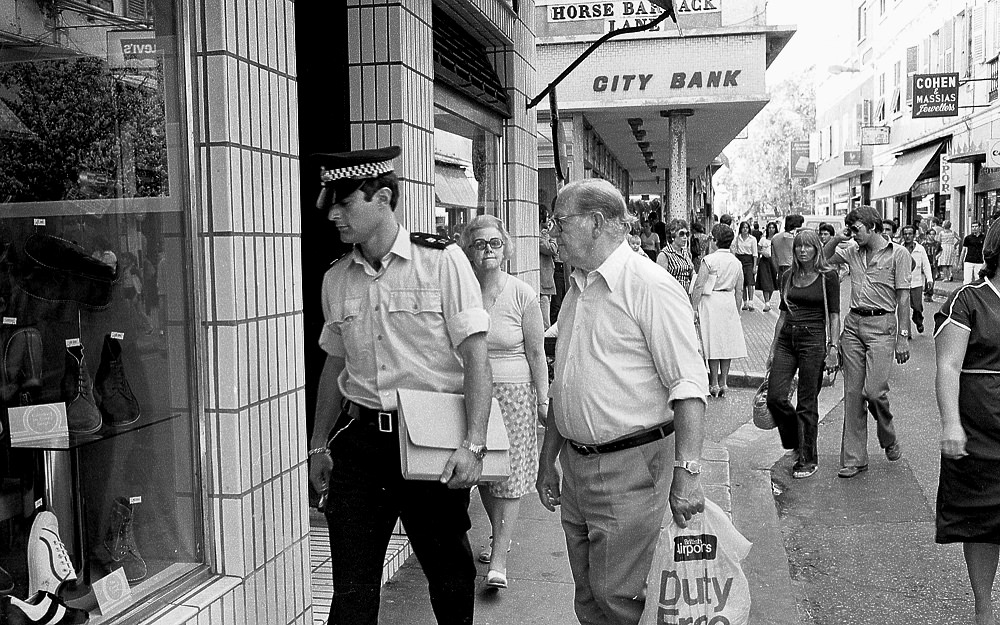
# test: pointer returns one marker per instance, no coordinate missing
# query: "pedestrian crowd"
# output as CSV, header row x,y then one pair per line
x,y
414,311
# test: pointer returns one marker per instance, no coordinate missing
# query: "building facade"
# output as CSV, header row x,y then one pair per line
x,y
652,110
160,264
919,166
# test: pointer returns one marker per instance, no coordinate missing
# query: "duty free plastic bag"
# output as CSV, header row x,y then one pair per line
x,y
696,577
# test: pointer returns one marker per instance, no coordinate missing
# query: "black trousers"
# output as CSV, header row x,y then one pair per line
x,y
799,348
367,495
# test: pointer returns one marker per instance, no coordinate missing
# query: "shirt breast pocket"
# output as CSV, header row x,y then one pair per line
x,y
345,320
415,302
885,271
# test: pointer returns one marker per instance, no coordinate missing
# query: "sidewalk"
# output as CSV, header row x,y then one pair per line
x,y
538,568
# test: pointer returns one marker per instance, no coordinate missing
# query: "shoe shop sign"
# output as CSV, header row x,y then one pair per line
x,y
935,95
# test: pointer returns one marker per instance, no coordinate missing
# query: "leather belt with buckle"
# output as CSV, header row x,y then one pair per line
x,y
625,442
870,312
384,420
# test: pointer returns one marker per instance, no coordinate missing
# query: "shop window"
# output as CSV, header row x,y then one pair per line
x,y
95,375
466,163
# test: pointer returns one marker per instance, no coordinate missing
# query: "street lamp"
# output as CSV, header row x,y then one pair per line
x,y
843,69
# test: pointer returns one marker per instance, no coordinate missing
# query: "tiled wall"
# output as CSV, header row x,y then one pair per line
x,y
392,101
246,160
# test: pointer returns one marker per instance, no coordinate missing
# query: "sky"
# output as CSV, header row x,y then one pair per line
x,y
823,33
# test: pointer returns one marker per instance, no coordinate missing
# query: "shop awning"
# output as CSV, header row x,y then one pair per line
x,y
968,154
841,176
905,171
452,187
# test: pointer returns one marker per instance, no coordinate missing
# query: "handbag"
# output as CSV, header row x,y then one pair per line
x,y
432,426
831,362
696,576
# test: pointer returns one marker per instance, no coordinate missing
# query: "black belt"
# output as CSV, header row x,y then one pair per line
x,y
385,420
626,442
870,312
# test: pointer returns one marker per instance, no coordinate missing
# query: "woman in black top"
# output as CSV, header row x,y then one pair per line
x,y
803,342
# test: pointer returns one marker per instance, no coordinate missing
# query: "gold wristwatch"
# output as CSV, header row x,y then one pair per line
x,y
478,450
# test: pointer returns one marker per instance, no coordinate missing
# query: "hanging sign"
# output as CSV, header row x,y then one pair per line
x,y
852,158
993,153
945,176
799,165
935,95
874,135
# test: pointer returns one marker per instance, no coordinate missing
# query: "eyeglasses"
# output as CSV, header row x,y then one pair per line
x,y
480,244
556,221
682,233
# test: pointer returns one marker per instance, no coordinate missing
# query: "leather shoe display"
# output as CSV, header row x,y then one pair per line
x,y
119,541
49,566
851,471
78,393
22,365
116,401
42,608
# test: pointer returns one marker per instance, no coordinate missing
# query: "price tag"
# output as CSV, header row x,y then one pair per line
x,y
135,500
10,321
38,503
39,222
118,336
72,342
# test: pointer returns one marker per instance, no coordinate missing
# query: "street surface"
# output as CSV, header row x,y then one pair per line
x,y
827,550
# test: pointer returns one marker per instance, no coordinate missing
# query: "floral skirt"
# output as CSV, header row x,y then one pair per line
x,y
518,405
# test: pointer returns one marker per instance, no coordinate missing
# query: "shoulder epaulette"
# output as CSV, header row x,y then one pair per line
x,y
341,256
430,240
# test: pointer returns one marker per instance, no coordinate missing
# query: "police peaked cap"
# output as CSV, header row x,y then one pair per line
x,y
358,164
344,172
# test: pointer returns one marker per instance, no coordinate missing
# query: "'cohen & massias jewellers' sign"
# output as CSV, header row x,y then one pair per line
x,y
935,95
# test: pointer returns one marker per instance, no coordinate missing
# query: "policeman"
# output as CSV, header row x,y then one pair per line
x,y
401,311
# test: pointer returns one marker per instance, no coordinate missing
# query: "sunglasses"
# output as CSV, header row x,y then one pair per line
x,y
480,244
682,233
854,229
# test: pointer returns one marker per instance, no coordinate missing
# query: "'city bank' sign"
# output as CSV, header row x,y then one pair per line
x,y
678,80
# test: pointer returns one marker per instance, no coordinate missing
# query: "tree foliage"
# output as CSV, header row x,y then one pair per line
x,y
757,179
93,134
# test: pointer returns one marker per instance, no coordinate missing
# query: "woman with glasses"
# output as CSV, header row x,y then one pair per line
x,y
675,256
520,380
745,248
767,271
717,296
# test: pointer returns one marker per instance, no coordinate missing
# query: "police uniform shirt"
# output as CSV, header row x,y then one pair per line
x,y
400,327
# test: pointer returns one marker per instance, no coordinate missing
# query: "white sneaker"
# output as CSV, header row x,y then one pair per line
x,y
48,563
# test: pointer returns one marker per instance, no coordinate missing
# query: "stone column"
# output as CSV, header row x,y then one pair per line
x,y
677,202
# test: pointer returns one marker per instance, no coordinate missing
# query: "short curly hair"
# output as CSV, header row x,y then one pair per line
x,y
723,236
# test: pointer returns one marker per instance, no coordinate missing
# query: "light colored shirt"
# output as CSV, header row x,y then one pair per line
x,y
782,248
400,327
746,245
874,284
505,341
765,247
922,267
627,350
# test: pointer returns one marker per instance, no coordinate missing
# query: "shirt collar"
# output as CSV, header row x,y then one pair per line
x,y
611,269
400,247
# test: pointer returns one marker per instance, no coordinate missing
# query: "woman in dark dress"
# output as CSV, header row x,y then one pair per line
x,y
967,337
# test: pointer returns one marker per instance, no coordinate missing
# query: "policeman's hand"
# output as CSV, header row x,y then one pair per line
x,y
320,466
687,498
547,486
462,469
953,442
902,350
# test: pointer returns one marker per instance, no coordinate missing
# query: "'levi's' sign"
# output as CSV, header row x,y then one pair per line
x,y
139,49
678,80
935,95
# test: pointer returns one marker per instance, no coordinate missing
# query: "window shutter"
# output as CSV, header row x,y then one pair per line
x,y
859,114
948,46
912,55
978,34
867,114
136,9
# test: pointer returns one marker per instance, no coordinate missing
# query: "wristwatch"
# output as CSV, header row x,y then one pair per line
x,y
691,466
904,333
478,450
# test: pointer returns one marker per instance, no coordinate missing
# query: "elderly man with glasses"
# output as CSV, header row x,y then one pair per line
x,y
877,328
626,331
